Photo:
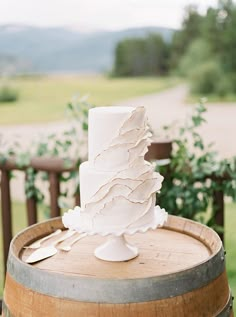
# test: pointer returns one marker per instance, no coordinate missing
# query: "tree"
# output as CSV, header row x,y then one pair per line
x,y
129,57
216,44
157,55
142,56
198,52
191,29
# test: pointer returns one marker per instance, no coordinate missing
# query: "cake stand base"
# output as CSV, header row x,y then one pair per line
x,y
116,248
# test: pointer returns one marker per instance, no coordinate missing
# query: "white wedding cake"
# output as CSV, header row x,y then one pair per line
x,y
117,186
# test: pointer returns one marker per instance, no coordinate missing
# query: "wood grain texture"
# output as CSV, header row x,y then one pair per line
x,y
207,301
54,188
6,213
179,272
155,256
181,244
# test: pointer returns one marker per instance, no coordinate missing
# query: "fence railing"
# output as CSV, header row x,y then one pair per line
x,y
54,167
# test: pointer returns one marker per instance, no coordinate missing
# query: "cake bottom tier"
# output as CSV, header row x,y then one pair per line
x,y
110,204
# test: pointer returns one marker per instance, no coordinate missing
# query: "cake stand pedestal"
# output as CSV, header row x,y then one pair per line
x,y
116,248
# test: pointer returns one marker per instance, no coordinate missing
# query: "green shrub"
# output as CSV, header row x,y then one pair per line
x,y
197,54
204,79
188,186
8,94
232,79
224,86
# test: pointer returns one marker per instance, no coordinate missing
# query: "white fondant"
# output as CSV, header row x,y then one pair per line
x,y
117,213
117,186
143,190
137,120
116,158
91,180
131,136
104,124
113,185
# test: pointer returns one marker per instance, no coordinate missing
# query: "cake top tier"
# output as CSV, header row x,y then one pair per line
x,y
114,134
104,125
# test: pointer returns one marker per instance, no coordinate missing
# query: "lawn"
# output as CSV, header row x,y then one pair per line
x,y
43,99
19,221
230,246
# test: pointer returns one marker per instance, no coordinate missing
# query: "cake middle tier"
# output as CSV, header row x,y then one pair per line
x,y
118,200
91,180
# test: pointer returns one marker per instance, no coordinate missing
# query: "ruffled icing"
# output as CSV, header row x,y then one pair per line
x,y
131,141
128,199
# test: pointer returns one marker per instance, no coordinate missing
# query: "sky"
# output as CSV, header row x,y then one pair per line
x,y
97,14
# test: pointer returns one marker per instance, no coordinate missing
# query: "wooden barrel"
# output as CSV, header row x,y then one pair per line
x,y
180,272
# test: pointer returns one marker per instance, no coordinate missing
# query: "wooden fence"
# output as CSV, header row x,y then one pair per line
x,y
54,167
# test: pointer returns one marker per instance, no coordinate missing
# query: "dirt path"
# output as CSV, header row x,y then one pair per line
x,y
163,108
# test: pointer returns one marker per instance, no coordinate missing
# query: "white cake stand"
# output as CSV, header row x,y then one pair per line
x,y
116,248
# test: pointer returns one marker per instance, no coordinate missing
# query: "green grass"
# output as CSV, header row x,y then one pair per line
x,y
230,246
43,99
19,222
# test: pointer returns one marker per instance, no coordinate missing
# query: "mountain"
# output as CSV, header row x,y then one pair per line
x,y
46,50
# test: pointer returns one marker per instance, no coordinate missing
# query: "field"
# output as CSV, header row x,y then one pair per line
x,y
19,220
44,99
230,246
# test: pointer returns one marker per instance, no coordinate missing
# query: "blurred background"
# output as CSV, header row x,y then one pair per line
x,y
50,52
58,58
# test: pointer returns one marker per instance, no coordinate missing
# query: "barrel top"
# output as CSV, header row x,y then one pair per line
x,y
182,244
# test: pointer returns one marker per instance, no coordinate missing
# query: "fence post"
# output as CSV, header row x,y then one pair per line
x,y
218,207
6,214
54,180
77,199
31,206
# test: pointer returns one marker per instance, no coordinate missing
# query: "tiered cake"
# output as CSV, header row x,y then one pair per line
x,y
117,186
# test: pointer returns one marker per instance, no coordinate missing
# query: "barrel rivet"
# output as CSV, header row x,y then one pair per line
x,y
225,252
222,258
230,306
232,297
